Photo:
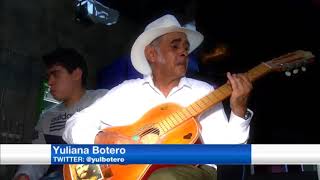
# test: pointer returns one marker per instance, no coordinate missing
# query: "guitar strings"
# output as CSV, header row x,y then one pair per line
x,y
164,125
170,117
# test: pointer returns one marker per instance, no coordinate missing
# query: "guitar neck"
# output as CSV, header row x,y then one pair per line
x,y
222,93
209,100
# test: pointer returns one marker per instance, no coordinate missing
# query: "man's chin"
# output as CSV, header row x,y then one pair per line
x,y
182,72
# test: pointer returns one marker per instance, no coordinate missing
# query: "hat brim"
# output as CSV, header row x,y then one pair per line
x,y
138,58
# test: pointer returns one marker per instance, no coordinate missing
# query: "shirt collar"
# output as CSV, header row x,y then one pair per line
x,y
147,79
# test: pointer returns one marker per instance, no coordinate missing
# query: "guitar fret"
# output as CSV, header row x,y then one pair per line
x,y
173,118
174,121
221,91
266,68
176,117
182,118
157,126
258,71
186,112
218,94
206,100
254,73
194,108
189,108
225,89
166,124
262,68
170,122
228,87
180,113
198,105
163,126
202,103
212,97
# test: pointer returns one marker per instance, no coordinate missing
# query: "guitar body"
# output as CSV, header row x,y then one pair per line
x,y
185,133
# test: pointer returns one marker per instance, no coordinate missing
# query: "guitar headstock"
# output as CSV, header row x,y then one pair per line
x,y
292,61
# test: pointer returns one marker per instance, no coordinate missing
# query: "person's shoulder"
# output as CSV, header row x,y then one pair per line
x,y
52,109
97,92
199,84
124,87
129,83
91,96
46,114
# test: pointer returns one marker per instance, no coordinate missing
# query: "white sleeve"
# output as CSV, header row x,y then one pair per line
x,y
83,126
239,128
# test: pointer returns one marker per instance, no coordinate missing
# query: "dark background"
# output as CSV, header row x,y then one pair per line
x,y
254,32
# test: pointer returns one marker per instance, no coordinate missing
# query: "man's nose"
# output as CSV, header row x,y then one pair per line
x,y
50,81
184,52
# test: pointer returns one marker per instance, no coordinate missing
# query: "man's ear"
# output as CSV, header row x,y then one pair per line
x,y
77,74
150,53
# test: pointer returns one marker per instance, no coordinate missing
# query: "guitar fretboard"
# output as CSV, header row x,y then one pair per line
x,y
206,102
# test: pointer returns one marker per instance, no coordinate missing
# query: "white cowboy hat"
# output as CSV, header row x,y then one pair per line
x,y
157,28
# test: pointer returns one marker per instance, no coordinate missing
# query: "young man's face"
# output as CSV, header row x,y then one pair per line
x,y
173,57
61,82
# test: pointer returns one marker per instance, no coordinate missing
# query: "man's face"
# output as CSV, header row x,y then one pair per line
x,y
60,82
172,59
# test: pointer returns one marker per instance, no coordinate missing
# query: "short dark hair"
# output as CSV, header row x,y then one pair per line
x,y
68,58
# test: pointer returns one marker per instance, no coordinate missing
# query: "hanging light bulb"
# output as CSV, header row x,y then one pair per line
x,y
288,73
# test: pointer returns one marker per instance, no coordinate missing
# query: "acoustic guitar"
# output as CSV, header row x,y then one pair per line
x,y
170,123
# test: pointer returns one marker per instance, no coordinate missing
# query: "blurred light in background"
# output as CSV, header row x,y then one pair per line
x,y
95,11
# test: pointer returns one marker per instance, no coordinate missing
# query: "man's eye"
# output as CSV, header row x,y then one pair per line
x,y
175,46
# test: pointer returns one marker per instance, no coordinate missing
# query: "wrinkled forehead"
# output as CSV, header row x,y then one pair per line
x,y
176,35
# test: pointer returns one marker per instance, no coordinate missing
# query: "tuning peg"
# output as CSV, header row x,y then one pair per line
x,y
295,71
304,69
288,73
